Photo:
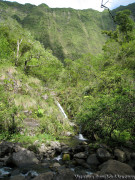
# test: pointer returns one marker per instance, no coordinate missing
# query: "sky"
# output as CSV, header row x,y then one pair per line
x,y
78,4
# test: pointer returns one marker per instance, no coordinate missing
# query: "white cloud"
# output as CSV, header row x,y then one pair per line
x,y
78,4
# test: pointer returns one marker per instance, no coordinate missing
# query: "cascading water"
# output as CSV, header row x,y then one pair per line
x,y
5,172
58,158
61,109
80,136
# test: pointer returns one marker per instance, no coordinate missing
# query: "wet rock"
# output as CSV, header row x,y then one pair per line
x,y
115,167
6,148
4,160
103,155
64,174
64,147
120,155
66,157
133,156
79,161
92,160
81,155
132,163
15,172
22,158
19,177
54,166
5,172
45,176
79,148
1,164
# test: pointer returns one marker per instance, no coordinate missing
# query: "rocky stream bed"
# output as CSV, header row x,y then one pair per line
x,y
58,161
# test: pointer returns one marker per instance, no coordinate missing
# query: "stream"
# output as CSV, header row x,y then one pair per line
x,y
7,173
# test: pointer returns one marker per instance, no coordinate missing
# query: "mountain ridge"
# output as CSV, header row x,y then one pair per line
x,y
68,32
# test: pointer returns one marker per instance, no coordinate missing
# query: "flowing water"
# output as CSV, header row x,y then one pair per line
x,y
5,172
58,158
80,137
61,109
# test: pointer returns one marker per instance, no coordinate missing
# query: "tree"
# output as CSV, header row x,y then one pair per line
x,y
124,29
125,24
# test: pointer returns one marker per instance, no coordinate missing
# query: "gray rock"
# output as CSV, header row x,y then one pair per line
x,y
54,166
115,167
65,174
55,144
23,158
4,160
92,160
132,163
79,161
81,155
45,176
18,178
6,148
79,148
120,155
103,155
133,156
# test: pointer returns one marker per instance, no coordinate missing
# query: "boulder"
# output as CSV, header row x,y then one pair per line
x,y
92,160
54,166
103,155
22,158
132,163
65,174
133,156
6,148
120,155
17,178
79,161
81,155
66,157
55,144
45,176
79,148
115,167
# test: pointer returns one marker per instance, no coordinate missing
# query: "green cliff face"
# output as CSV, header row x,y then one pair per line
x,y
67,32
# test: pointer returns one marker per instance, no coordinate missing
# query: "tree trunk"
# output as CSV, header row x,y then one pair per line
x,y
18,48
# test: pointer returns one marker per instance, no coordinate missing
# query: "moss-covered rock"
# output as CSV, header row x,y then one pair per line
x,y
66,157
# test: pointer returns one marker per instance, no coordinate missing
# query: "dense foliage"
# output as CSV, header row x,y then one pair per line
x,y
97,92
100,90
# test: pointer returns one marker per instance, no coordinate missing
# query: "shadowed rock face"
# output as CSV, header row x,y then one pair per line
x,y
81,164
22,158
103,155
116,167
65,174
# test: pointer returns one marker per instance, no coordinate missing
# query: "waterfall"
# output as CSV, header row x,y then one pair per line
x,y
80,137
61,109
58,158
